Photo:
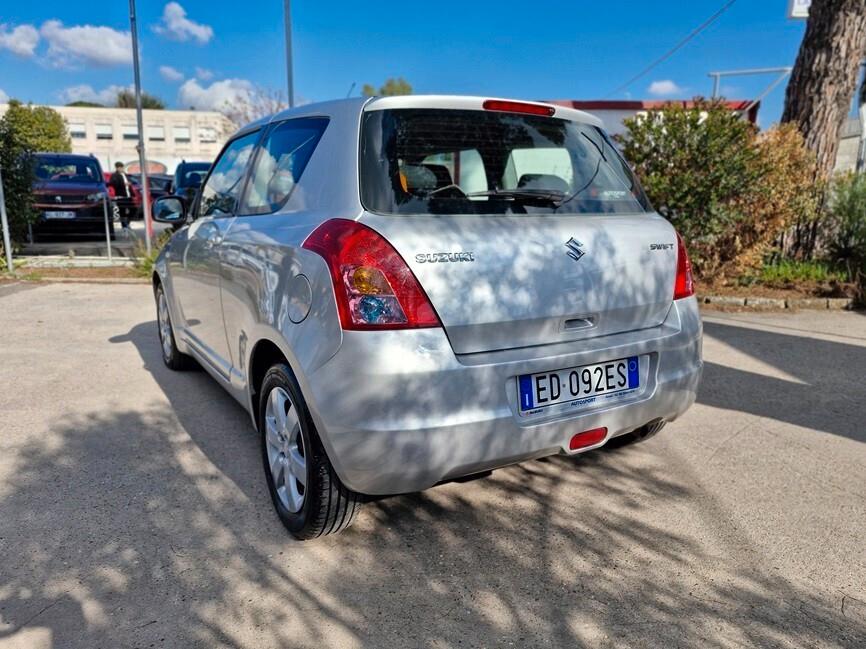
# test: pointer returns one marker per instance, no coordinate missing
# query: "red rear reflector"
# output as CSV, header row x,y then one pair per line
x,y
518,107
685,283
587,438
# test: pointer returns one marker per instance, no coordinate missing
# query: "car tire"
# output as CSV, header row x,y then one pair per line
x,y
172,357
309,497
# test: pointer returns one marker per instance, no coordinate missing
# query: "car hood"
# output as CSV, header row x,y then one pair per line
x,y
67,189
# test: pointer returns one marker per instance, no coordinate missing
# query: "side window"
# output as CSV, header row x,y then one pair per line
x,y
282,159
220,194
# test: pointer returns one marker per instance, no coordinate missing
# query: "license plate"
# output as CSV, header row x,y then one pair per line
x,y
580,386
59,215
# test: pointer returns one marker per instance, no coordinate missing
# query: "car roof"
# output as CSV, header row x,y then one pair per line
x,y
81,156
453,102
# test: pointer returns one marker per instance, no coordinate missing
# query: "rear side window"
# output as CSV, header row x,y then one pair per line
x,y
282,159
438,161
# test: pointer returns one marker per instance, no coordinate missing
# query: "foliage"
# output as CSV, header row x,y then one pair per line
x,y
23,131
143,263
38,128
253,105
390,88
126,99
783,195
729,191
847,227
788,271
85,104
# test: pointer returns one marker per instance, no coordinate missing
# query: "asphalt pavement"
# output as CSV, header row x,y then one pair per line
x,y
133,509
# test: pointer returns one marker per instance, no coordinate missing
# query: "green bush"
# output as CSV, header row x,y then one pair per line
x,y
729,191
23,131
787,271
143,263
846,227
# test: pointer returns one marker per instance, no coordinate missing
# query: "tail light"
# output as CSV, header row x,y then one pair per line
x,y
374,287
685,284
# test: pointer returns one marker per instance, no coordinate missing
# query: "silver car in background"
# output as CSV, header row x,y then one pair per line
x,y
406,290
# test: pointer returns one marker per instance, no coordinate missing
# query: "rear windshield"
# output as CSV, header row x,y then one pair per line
x,y
62,169
433,161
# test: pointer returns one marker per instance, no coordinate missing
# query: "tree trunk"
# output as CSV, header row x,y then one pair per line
x,y
825,75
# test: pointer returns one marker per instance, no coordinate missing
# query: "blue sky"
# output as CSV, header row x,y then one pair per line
x,y
540,49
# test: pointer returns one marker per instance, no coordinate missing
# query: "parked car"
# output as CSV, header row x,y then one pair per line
x,y
188,177
158,184
406,290
68,192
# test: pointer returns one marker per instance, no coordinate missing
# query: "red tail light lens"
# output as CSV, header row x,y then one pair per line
x,y
375,289
518,107
685,283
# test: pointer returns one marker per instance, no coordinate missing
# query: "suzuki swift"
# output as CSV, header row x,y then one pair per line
x,y
407,290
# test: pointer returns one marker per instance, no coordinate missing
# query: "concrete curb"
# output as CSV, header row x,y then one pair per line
x,y
779,304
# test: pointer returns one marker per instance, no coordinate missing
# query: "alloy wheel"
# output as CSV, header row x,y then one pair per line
x,y
285,448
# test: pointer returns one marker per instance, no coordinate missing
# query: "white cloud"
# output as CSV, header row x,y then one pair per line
x,y
203,74
664,88
68,46
21,40
170,74
219,95
85,92
3,97
176,26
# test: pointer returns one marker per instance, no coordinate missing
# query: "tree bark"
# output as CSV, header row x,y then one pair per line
x,y
824,78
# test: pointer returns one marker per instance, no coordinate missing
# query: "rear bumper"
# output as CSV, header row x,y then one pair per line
x,y
399,412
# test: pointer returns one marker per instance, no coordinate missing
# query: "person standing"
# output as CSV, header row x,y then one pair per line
x,y
123,197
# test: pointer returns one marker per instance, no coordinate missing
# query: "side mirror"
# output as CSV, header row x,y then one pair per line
x,y
170,209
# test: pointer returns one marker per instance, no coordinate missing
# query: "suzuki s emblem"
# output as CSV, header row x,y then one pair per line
x,y
58,199
575,249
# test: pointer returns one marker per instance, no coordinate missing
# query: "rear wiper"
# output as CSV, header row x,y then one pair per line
x,y
543,195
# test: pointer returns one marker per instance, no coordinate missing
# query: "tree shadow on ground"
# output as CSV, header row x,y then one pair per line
x,y
825,398
153,528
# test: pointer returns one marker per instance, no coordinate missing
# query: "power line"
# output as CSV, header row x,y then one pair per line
x,y
697,30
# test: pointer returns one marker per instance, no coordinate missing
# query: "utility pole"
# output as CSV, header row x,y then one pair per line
x,y
287,7
142,158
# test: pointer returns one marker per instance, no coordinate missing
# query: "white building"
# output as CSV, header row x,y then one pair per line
x,y
111,135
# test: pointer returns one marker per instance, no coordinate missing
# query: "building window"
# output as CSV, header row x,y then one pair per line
x,y
206,135
181,134
130,132
104,132
156,133
77,131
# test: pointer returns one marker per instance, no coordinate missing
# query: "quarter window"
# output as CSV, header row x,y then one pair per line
x,y
281,161
219,196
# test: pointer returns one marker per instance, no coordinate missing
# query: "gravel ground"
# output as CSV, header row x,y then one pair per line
x,y
133,511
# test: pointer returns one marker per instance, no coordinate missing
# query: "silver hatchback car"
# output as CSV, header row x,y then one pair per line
x,y
406,290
